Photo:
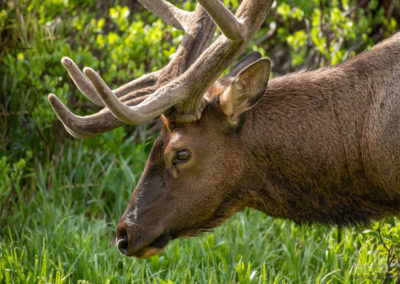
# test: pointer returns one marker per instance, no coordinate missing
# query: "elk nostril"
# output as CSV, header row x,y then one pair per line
x,y
122,246
122,241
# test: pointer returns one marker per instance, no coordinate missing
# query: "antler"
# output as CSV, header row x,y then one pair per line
x,y
177,88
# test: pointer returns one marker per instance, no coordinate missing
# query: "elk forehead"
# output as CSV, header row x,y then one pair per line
x,y
174,136
177,138
176,132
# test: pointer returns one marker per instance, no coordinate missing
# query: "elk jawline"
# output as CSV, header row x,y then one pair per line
x,y
155,247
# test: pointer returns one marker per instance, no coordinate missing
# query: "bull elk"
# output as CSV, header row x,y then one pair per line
x,y
318,146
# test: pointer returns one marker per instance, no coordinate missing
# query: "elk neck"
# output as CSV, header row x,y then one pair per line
x,y
309,138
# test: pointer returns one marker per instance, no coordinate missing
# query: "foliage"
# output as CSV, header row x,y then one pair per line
x,y
321,32
60,198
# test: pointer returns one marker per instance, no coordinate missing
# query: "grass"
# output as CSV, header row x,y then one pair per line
x,y
64,233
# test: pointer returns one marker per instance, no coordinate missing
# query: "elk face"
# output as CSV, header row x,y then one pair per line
x,y
181,191
191,181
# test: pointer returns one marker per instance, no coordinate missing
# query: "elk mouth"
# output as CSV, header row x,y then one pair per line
x,y
155,247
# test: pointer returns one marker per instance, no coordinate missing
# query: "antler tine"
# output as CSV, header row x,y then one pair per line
x,y
235,28
69,119
223,17
80,81
170,14
157,104
90,125
86,87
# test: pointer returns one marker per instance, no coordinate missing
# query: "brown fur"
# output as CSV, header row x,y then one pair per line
x,y
320,146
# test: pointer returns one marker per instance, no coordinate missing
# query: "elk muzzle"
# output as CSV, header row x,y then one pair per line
x,y
141,242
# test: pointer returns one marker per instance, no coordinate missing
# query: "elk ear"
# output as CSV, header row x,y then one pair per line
x,y
246,88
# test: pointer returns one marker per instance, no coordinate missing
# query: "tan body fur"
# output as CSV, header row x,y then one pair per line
x,y
326,143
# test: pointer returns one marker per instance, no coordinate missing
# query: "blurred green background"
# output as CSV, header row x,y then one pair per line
x,y
61,197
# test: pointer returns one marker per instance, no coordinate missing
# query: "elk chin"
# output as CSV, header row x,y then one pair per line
x,y
153,248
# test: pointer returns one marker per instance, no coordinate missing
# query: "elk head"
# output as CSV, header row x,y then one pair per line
x,y
191,180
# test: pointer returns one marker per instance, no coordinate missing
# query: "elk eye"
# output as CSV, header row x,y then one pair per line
x,y
182,156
